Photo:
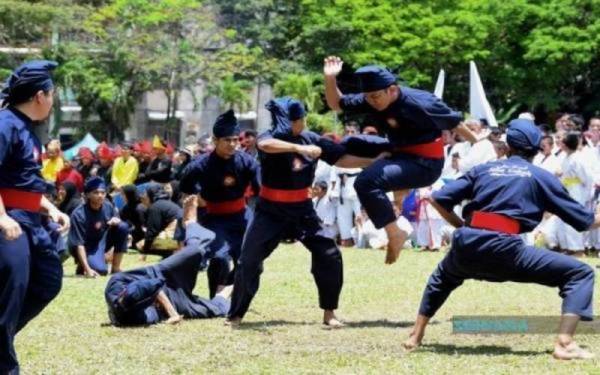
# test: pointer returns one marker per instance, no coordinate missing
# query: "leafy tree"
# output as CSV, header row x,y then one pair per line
x,y
304,87
539,53
234,94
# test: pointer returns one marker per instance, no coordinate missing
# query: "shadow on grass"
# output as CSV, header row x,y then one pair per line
x,y
382,323
267,324
478,350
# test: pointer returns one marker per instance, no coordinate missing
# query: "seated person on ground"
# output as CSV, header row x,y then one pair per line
x,y
161,221
134,213
96,229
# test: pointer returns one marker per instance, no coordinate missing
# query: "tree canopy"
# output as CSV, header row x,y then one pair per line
x,y
542,55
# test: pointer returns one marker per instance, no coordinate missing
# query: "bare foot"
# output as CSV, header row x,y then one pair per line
x,y
331,321
413,342
394,246
347,243
571,351
233,322
396,239
190,209
174,319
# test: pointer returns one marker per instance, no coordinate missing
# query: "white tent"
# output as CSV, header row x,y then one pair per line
x,y
88,141
439,85
478,103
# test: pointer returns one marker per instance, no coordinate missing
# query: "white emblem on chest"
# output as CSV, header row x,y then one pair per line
x,y
297,164
392,122
229,180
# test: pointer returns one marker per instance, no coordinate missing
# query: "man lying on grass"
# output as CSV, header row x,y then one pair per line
x,y
163,292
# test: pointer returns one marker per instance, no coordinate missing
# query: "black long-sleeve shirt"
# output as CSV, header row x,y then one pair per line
x,y
160,214
159,170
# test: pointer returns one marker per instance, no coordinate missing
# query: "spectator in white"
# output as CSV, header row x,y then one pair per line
x,y
591,149
591,153
561,122
369,237
594,125
501,149
558,148
480,152
453,149
496,135
527,116
546,159
325,209
366,236
578,181
348,205
545,129
575,122
429,221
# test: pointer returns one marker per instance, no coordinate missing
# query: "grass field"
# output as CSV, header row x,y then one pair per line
x,y
282,333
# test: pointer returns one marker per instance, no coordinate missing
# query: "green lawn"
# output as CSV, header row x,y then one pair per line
x,y
283,334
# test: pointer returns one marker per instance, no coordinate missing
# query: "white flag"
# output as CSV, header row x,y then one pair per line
x,y
439,85
478,103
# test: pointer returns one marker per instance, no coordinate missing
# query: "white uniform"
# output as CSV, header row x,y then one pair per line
x,y
549,226
367,236
480,153
461,149
591,155
560,154
348,205
323,172
325,209
429,221
578,181
551,163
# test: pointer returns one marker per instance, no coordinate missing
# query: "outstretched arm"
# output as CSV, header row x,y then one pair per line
x,y
466,133
331,68
277,146
351,161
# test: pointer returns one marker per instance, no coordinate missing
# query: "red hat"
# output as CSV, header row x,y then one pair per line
x,y
146,147
170,149
104,152
85,153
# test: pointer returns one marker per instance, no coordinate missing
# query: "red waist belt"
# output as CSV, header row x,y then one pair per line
x,y
21,200
432,150
284,196
227,207
495,222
